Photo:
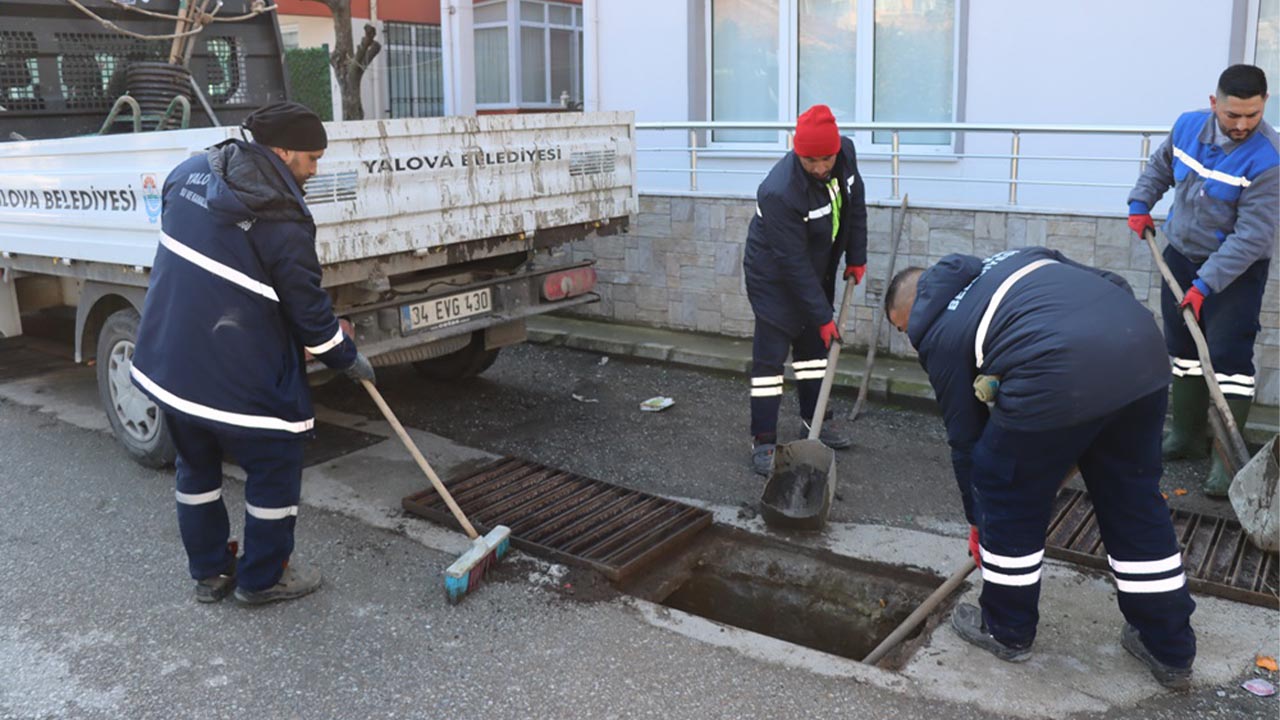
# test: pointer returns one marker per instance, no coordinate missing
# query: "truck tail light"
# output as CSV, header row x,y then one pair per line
x,y
568,283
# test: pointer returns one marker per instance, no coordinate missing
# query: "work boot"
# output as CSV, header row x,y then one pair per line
x,y
762,457
1186,438
1169,676
967,621
215,587
293,584
834,434
1219,480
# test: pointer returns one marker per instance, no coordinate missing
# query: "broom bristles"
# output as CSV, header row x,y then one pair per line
x,y
467,571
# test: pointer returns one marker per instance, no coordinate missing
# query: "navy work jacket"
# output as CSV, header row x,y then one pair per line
x,y
235,298
1069,343
790,261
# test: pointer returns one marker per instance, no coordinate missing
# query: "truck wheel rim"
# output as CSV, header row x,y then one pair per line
x,y
139,417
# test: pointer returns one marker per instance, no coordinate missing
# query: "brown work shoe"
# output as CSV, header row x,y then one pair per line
x,y
293,584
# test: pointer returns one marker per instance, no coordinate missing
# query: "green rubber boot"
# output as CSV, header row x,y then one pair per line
x,y
1186,438
1219,479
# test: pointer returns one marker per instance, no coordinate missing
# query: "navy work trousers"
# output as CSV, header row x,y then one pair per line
x,y
769,350
1229,319
273,484
1016,475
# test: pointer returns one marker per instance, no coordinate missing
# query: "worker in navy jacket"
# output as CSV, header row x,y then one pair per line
x,y
1073,374
810,210
234,302
1225,168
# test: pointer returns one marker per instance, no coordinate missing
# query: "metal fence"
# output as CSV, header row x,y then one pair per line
x,y
700,157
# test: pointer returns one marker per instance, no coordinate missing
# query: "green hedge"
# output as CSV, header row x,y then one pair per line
x,y
309,79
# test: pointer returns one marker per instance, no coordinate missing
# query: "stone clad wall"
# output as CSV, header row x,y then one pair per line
x,y
680,267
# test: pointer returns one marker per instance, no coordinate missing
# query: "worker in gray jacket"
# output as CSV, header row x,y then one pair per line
x,y
1225,167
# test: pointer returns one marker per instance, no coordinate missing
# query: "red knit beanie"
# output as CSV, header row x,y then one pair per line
x,y
816,133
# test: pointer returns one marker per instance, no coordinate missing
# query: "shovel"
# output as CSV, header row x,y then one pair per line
x,y
802,485
1253,485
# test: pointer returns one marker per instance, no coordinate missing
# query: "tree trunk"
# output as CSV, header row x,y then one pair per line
x,y
349,63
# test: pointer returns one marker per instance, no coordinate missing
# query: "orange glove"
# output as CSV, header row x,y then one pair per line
x,y
973,545
1194,299
828,333
1141,222
856,272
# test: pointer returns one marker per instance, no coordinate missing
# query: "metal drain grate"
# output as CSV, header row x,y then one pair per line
x,y
567,517
1217,555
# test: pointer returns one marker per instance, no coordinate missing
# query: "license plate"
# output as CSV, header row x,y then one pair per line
x,y
445,310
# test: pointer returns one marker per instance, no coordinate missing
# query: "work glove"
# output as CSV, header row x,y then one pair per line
x,y
1141,223
1194,299
973,545
828,333
361,370
856,272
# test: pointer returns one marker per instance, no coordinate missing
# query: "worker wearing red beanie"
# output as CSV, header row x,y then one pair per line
x,y
810,210
816,133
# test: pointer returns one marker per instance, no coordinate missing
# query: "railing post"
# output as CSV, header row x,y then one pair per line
x,y
1146,153
895,165
1013,170
693,159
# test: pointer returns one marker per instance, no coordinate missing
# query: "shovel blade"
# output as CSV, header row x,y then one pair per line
x,y
801,487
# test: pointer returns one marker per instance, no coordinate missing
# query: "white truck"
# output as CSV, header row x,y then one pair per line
x,y
438,236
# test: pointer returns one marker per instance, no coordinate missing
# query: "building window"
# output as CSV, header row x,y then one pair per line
x,y
414,71
528,54
744,61
1264,50
493,79
869,60
290,37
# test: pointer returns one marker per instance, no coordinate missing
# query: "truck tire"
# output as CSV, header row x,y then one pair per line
x,y
468,362
137,422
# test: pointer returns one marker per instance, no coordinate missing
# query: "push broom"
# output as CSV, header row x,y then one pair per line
x,y
466,572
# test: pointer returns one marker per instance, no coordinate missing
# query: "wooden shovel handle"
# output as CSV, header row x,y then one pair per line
x,y
1237,454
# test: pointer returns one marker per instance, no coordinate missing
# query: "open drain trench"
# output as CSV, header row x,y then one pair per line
x,y
670,553
809,597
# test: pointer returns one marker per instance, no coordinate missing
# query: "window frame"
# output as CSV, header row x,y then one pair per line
x,y
419,36
864,94
514,24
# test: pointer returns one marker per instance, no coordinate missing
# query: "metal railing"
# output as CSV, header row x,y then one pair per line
x,y
700,149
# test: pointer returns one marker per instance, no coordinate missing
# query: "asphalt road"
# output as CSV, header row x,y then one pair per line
x,y
97,618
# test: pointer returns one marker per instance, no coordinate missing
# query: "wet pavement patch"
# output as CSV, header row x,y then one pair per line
x,y
332,442
22,357
808,597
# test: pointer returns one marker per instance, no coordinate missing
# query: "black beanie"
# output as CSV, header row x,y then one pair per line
x,y
287,125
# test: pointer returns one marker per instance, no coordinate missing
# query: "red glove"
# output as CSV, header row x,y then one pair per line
x,y
828,333
1141,223
973,545
1195,299
856,272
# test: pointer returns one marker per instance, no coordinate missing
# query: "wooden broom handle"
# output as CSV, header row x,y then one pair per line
x,y
417,456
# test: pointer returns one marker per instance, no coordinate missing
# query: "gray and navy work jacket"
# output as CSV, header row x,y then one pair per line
x,y
1225,209
235,297
791,259
1069,343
